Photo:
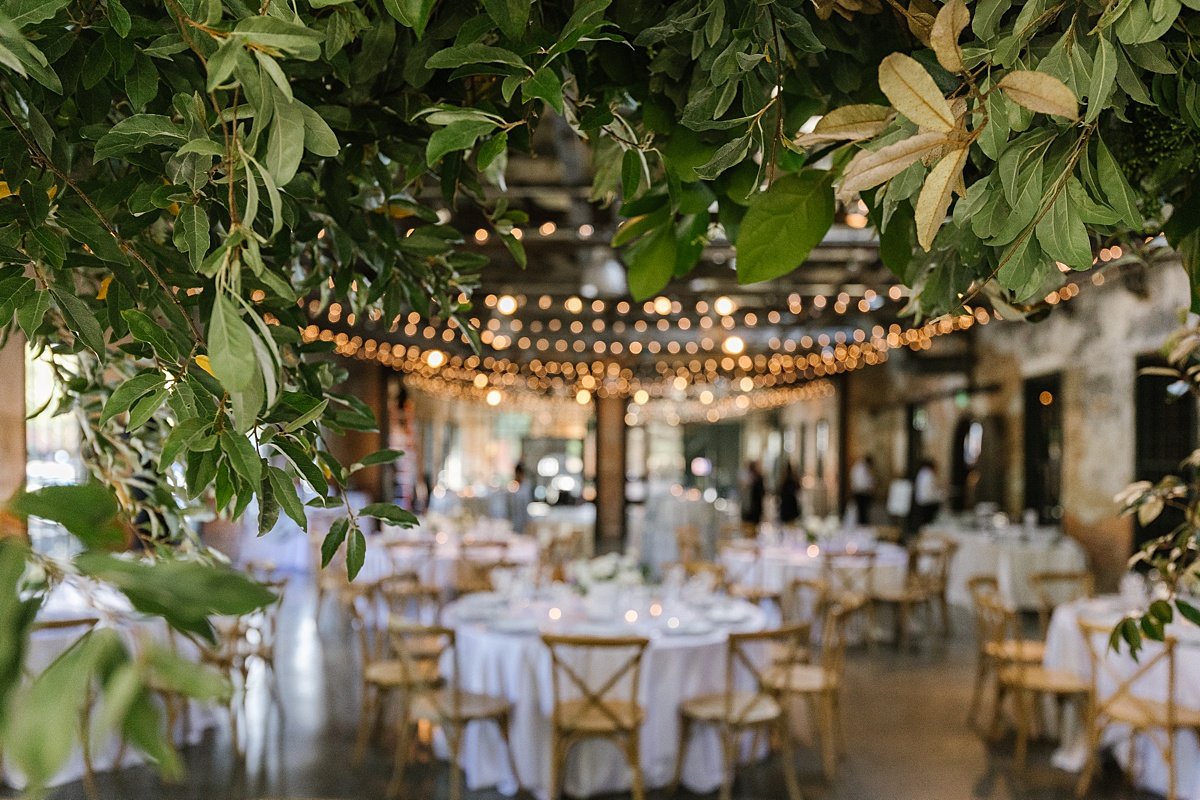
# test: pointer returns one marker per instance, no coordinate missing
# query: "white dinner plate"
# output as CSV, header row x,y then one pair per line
x,y
727,614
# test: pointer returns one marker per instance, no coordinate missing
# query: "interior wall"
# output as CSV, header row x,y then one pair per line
x,y
1093,342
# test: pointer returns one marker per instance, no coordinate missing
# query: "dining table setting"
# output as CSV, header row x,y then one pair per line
x,y
501,652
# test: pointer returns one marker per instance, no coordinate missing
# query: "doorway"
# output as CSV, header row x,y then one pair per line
x,y
1165,430
1043,447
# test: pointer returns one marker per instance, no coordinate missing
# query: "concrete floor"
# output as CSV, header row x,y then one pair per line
x,y
905,719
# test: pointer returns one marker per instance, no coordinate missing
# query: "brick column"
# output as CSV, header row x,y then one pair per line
x,y
610,471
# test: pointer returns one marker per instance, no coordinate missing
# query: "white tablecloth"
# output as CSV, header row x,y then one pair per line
x,y
68,602
779,564
1009,558
517,666
1067,650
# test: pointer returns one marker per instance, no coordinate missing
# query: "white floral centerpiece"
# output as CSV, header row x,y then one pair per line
x,y
603,579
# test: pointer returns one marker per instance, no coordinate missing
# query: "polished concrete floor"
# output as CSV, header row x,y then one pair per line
x,y
905,719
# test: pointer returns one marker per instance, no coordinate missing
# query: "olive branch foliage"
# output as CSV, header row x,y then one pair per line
x,y
181,178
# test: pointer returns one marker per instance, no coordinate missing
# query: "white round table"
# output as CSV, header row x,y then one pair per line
x,y
778,564
1010,555
1066,649
501,653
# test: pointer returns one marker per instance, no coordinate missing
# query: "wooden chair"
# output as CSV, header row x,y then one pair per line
x,y
820,684
738,710
1055,587
413,557
805,601
585,708
382,671
1027,681
426,696
939,580
850,577
924,581
476,575
995,649
1137,701
561,550
694,569
688,545
748,581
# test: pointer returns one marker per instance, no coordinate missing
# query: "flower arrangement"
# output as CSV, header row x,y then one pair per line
x,y
612,568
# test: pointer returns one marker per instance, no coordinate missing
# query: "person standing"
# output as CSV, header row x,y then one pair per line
x,y
752,499
789,495
519,500
927,494
862,487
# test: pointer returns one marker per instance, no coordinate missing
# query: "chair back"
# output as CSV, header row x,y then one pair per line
x,y
412,557
742,559
368,618
696,569
805,600
849,574
564,546
833,634
1113,680
476,575
1055,587
404,597
623,657
423,652
929,562
688,546
752,655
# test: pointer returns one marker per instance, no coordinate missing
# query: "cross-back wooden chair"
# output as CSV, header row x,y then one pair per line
x,y
587,708
476,574
820,684
425,695
694,569
688,545
998,641
414,557
1026,681
739,709
1137,700
562,549
851,580
1055,587
382,673
937,553
805,600
924,580
745,573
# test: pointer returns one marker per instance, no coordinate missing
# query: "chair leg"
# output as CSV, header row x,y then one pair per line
x,y
828,742
997,710
945,609
729,751
1022,702
403,739
634,753
1089,766
557,756
788,757
902,624
502,723
366,714
839,722
454,740
981,673
685,734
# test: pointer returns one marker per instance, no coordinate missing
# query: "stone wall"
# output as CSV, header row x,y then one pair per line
x,y
1093,342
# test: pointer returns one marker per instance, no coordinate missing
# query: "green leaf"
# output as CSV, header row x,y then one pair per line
x,y
455,136
385,456
389,512
144,329
230,349
1104,78
285,493
356,553
138,132
144,409
333,540
1117,191
87,510
411,13
510,16
783,225
243,457
308,416
651,262
32,312
181,436
461,55
275,34
1188,611
285,141
23,13
1063,236
1161,610
727,155
544,85
118,17
80,320
319,138
191,234
223,62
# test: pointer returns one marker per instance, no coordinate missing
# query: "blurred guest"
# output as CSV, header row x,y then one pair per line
x,y
927,494
862,487
753,494
520,496
789,495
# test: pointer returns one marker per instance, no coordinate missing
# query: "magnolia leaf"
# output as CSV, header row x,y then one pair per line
x,y
243,457
463,55
390,513
913,93
285,493
1040,92
80,320
545,84
872,167
285,141
651,262
1103,79
936,194
411,13
783,225
356,552
138,132
1063,236
951,20
319,138
848,123
460,135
